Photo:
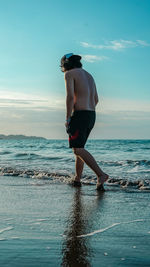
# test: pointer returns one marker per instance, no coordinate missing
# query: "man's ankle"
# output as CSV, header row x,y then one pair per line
x,y
77,178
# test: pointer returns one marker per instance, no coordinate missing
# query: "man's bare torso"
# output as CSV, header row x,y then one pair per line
x,y
85,93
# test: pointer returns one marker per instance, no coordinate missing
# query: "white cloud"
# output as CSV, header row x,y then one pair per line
x,y
116,121
122,44
109,105
116,44
9,99
93,58
18,101
143,43
35,115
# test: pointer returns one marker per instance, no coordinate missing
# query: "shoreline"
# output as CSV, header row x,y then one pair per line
x,y
49,224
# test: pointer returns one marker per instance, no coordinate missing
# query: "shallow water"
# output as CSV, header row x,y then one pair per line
x,y
38,158
44,221
55,224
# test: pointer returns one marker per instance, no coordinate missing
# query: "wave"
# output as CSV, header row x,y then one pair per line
x,y
126,162
25,154
123,163
6,229
67,178
139,162
35,156
108,227
117,163
5,152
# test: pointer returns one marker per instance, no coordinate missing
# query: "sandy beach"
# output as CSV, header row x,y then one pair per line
x,y
55,224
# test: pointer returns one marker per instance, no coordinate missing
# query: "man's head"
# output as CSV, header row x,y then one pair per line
x,y
70,61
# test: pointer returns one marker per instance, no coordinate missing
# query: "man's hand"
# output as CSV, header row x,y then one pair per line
x,y
67,124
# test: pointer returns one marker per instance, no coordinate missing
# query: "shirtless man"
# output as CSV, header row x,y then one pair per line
x,y
81,100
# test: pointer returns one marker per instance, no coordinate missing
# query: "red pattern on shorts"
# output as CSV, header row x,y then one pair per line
x,y
73,137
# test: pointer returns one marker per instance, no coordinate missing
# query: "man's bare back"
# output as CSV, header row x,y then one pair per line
x,y
85,93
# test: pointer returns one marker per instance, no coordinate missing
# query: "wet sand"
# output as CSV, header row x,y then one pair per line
x,y
54,224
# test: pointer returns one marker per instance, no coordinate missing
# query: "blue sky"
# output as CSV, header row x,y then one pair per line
x,y
113,38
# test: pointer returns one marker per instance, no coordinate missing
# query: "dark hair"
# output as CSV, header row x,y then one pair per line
x,y
71,62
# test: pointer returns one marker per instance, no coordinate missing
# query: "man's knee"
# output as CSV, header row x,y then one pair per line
x,y
77,151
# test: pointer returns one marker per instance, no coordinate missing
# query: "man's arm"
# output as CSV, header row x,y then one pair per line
x,y
96,96
69,82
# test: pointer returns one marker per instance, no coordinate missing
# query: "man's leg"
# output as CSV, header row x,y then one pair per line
x,y
79,164
91,162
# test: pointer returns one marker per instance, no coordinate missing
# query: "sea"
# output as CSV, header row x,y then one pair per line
x,y
45,221
124,160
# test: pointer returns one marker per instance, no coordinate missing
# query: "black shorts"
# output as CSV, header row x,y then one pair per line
x,y
80,126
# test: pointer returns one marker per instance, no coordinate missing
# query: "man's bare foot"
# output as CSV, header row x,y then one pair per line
x,y
102,179
76,183
100,187
77,179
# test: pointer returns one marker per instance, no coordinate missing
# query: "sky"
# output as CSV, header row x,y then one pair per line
x,y
113,38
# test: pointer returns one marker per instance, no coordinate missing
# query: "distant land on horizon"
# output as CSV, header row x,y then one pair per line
x,y
19,136
22,136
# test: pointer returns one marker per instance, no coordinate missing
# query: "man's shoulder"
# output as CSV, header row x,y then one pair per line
x,y
68,74
71,73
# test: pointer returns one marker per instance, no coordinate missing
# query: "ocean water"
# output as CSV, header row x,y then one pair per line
x,y
123,160
46,222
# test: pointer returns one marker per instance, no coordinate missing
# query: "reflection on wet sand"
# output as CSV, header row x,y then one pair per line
x,y
76,251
